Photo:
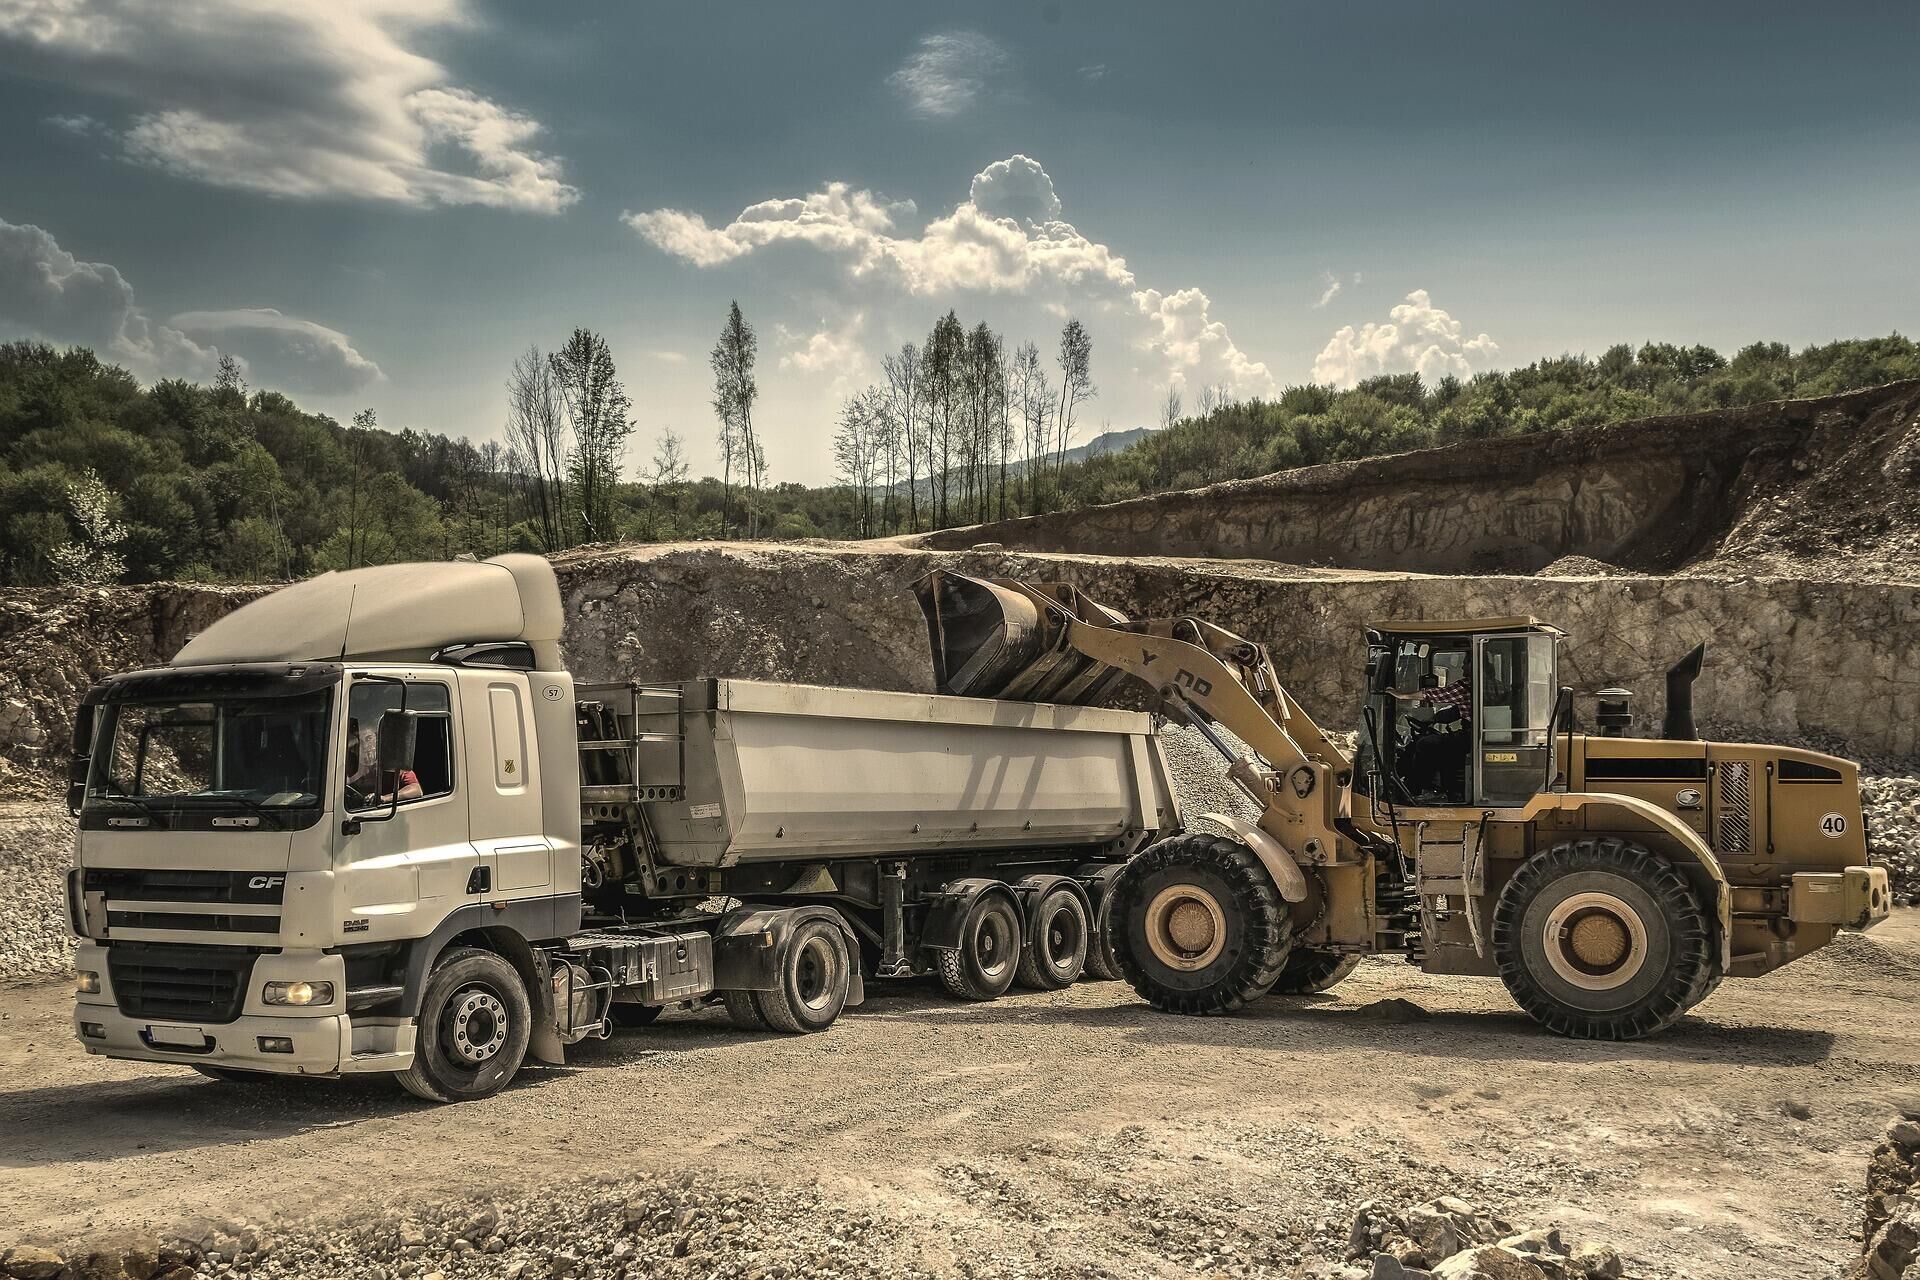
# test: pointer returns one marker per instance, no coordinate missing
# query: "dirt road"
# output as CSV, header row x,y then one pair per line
x,y
1074,1128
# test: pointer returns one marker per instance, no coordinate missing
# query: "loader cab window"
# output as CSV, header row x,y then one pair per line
x,y
1425,721
1513,698
432,773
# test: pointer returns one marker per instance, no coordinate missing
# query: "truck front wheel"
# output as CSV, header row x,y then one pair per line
x,y
1601,939
1201,927
475,1021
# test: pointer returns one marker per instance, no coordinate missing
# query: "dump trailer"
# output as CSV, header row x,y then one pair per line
x,y
1610,881
370,824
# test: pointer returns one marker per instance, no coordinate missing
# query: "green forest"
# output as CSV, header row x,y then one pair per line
x,y
103,479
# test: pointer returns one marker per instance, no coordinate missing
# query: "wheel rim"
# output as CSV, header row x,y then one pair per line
x,y
813,975
994,947
1186,927
1062,937
1594,941
475,1027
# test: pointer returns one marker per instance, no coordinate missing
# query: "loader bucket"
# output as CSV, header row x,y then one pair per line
x,y
1008,639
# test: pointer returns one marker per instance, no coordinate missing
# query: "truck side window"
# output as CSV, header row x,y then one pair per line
x,y
432,772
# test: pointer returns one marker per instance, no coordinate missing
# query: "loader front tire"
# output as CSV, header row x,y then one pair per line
x,y
1601,939
1200,927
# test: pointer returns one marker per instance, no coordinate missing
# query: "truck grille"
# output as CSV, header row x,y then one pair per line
x,y
130,884
189,983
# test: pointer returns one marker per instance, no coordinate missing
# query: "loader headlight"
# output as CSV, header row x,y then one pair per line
x,y
299,993
87,983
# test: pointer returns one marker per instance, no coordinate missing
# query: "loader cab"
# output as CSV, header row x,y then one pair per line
x,y
1460,712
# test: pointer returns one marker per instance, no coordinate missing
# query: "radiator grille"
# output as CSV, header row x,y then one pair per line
x,y
1736,808
188,983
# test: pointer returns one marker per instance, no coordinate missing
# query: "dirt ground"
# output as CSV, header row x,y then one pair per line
x,y
1066,1131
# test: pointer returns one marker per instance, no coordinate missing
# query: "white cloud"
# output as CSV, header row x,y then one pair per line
x,y
1417,338
948,73
1007,239
284,351
291,98
47,293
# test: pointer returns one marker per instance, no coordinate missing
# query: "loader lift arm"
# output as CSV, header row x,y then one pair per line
x,y
1005,638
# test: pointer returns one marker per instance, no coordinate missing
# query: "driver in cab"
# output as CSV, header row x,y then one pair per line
x,y
366,784
1434,761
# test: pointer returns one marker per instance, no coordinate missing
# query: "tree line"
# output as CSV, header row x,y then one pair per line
x,y
105,480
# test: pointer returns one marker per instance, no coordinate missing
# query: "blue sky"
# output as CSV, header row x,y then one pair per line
x,y
380,204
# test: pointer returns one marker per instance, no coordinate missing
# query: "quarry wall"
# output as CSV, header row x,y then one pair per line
x,y
1786,656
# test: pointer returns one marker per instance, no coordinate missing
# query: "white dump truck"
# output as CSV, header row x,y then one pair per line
x,y
369,823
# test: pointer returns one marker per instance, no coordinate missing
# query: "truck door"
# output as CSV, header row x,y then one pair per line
x,y
422,851
505,789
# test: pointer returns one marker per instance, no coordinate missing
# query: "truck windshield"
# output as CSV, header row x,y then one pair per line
x,y
268,752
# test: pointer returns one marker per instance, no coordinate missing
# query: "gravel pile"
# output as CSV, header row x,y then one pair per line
x,y
36,849
662,1226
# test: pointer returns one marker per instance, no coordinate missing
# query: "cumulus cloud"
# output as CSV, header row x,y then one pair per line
x,y
948,73
291,98
47,293
1418,337
1007,239
284,351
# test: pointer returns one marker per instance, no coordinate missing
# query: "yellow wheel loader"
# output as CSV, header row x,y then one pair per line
x,y
1611,882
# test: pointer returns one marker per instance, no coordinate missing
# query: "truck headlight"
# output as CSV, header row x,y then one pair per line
x,y
299,993
87,983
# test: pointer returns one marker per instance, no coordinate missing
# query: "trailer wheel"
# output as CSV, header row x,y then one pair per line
x,y
1311,971
1600,939
815,971
1203,927
983,966
1057,940
475,1021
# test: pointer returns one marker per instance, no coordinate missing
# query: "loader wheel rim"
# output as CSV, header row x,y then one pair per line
x,y
476,1026
1594,941
1186,927
814,974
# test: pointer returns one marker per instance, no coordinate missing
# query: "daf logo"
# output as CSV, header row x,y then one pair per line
x,y
266,882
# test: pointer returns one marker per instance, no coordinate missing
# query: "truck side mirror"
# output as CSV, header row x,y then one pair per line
x,y
399,734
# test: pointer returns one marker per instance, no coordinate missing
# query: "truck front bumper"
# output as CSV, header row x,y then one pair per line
x,y
1856,898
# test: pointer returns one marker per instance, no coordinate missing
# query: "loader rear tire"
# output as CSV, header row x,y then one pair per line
x,y
983,966
1601,939
1201,926
1311,971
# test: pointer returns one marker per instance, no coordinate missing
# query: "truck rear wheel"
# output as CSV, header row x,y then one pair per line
x,y
1311,971
815,971
1202,928
1601,939
983,966
475,1021
1057,940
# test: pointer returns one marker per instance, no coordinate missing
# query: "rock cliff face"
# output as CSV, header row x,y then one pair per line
x,y
1823,487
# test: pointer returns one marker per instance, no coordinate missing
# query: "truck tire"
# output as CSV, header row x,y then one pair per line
x,y
742,1011
1311,971
1057,940
475,1021
983,966
1202,928
815,971
1600,939
630,1016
